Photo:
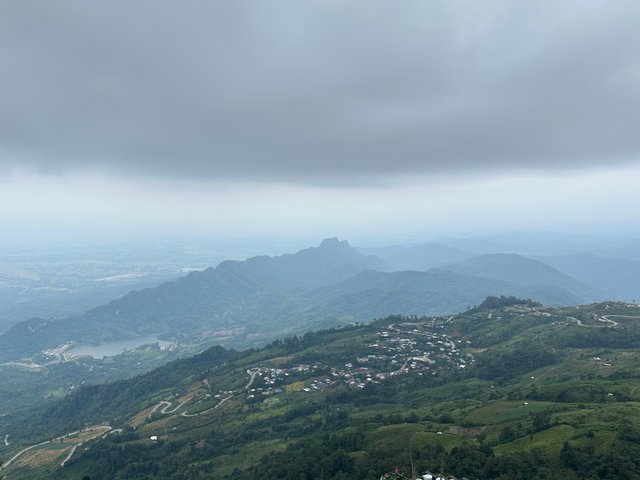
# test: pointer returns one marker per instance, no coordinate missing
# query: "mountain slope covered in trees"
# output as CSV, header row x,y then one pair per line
x,y
510,389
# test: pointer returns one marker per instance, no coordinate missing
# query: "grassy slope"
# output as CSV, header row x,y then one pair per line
x,y
546,414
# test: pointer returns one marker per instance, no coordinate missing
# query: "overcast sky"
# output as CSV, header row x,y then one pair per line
x,y
318,117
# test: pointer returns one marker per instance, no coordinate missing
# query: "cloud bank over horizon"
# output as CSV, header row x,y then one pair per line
x,y
318,118
318,92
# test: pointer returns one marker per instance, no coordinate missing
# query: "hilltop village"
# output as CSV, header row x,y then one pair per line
x,y
400,349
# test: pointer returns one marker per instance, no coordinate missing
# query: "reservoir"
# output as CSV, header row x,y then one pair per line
x,y
109,349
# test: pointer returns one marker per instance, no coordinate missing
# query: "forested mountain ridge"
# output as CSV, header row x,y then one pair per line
x,y
434,292
246,303
235,294
509,389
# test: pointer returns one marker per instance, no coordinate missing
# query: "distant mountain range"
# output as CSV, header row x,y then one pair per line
x,y
418,257
519,270
548,244
589,276
612,278
244,303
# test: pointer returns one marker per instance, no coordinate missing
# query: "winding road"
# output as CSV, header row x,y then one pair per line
x,y
604,319
165,410
17,455
68,457
217,405
108,428
165,404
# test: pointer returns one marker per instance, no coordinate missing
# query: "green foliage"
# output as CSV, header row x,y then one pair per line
x,y
485,421
493,302
503,364
577,337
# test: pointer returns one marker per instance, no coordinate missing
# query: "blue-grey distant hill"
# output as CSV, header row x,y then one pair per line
x,y
242,303
547,244
372,294
614,278
628,249
486,245
418,257
525,272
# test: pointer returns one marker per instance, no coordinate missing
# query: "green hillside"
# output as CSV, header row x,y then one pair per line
x,y
507,390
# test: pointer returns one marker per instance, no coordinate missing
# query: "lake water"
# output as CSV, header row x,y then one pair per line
x,y
114,348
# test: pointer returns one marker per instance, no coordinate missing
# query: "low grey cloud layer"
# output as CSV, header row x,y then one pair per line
x,y
320,91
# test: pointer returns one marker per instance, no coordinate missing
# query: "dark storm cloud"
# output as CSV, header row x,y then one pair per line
x,y
317,91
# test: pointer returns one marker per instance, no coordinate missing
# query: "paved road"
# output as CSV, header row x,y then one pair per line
x,y
73,450
165,410
217,405
605,320
156,407
17,455
167,404
403,368
68,457
67,435
253,376
223,400
174,409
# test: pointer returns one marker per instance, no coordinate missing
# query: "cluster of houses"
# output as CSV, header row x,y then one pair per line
x,y
270,377
255,393
419,347
425,476
400,349
433,476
